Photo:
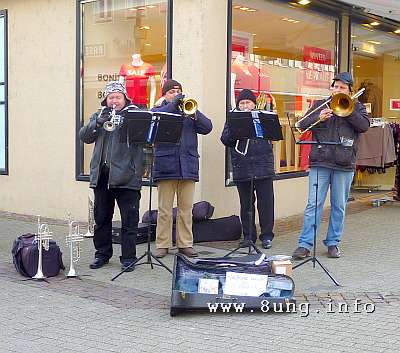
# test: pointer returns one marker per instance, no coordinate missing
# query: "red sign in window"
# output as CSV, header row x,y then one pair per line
x,y
395,104
317,63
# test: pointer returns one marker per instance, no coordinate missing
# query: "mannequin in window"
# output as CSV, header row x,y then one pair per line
x,y
135,75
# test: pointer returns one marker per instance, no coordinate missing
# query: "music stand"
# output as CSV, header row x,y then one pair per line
x,y
314,258
146,127
241,126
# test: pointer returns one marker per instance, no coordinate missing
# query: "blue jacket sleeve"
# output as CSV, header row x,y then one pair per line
x,y
203,125
226,138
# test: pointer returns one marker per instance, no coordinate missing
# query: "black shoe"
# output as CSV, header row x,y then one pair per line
x,y
98,263
266,244
126,266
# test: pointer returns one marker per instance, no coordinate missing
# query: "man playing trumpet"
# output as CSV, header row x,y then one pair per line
x,y
333,166
115,175
176,169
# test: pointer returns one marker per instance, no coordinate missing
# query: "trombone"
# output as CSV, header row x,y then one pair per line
x,y
342,105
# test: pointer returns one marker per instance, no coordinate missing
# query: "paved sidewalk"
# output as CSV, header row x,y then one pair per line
x,y
131,314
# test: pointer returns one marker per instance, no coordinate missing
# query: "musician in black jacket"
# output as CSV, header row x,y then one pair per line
x,y
332,165
256,164
116,171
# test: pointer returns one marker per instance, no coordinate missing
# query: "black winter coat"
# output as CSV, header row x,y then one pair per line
x,y
257,163
180,161
336,129
125,162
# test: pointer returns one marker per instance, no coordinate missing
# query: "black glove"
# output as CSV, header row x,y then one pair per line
x,y
178,100
104,116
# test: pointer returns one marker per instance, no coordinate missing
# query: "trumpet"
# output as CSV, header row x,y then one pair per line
x,y
42,238
188,106
91,223
73,240
115,120
342,105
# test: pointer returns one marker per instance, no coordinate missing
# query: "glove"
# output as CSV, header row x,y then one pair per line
x,y
178,100
104,116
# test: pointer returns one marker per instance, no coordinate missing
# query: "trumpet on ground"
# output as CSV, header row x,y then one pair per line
x,y
342,105
42,238
73,240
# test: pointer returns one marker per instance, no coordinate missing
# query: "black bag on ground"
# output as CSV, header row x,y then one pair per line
x,y
141,235
25,255
218,229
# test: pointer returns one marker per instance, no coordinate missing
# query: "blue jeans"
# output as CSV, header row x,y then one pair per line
x,y
339,183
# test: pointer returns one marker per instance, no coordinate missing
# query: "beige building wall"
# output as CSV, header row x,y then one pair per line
x,y
41,111
41,101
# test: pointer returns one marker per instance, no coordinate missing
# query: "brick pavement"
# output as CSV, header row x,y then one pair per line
x,y
131,314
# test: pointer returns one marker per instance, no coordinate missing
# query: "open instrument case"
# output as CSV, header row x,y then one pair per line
x,y
187,274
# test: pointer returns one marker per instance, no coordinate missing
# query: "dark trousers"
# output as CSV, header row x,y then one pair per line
x,y
128,203
265,205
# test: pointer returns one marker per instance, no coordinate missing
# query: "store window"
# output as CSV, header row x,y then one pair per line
x,y
288,53
376,67
3,94
120,40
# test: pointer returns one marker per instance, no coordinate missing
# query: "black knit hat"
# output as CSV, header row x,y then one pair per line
x,y
170,84
246,94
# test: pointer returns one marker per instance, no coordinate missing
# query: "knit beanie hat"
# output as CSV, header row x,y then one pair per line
x,y
113,87
246,94
170,84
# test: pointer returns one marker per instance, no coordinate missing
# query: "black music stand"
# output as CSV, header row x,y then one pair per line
x,y
146,127
314,258
241,126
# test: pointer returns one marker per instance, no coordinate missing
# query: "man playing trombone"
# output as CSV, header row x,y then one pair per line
x,y
115,175
176,169
331,165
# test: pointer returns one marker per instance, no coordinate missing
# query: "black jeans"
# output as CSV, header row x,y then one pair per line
x,y
128,203
265,205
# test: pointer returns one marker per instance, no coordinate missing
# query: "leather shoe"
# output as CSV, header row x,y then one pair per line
x,y
189,252
333,251
161,252
266,244
301,253
97,263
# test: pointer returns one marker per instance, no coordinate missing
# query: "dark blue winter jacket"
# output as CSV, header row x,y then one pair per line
x,y
180,161
258,161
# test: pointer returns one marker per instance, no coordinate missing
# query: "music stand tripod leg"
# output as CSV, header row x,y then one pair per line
x,y
147,253
314,257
